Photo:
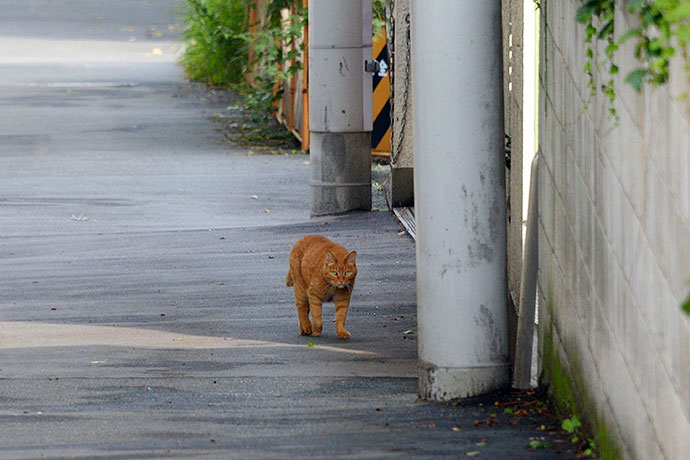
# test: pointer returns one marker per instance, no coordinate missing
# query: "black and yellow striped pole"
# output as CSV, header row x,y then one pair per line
x,y
381,135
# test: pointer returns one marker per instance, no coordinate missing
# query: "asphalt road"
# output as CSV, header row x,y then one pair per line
x,y
143,312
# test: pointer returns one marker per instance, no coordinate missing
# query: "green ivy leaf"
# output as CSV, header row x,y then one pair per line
x,y
571,424
585,12
610,49
629,34
679,13
635,5
635,78
606,30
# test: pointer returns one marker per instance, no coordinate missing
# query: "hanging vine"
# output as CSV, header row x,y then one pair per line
x,y
663,32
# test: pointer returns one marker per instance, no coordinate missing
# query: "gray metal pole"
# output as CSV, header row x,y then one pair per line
x,y
340,105
459,180
528,288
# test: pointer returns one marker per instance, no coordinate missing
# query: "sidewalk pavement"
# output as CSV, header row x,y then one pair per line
x,y
143,312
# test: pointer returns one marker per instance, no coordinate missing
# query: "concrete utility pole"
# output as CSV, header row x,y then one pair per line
x,y
340,105
460,197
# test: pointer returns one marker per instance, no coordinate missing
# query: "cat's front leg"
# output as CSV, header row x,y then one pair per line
x,y
315,310
302,310
341,307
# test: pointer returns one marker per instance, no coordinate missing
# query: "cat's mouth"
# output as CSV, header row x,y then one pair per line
x,y
343,286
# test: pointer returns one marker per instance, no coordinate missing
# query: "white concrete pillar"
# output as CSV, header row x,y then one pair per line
x,y
340,105
459,181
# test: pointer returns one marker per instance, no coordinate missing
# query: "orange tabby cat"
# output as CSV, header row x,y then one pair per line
x,y
321,271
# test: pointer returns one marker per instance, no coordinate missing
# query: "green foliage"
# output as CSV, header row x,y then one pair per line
x,y
214,52
277,50
223,48
664,28
537,444
571,425
686,305
379,17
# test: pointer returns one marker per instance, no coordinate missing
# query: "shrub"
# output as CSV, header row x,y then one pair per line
x,y
215,52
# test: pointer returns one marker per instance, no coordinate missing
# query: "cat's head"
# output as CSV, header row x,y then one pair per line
x,y
340,273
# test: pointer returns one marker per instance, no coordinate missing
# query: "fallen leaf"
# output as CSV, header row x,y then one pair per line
x,y
53,308
254,197
97,362
310,344
227,338
481,443
323,223
179,339
488,421
456,428
535,444
267,211
432,425
401,233
157,52
80,218
474,453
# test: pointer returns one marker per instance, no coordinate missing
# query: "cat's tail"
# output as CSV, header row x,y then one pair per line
x,y
288,279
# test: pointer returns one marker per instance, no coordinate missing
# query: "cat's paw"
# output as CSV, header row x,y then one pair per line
x,y
305,329
344,334
317,332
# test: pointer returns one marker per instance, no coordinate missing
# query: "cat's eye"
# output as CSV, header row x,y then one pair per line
x,y
334,273
348,272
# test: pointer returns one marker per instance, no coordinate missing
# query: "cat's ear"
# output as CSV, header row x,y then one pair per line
x,y
351,258
330,260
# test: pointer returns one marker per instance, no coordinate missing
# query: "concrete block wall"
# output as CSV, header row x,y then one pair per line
x,y
614,242
402,141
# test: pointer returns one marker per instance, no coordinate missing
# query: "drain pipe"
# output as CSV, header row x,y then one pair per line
x,y
459,181
528,287
340,105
